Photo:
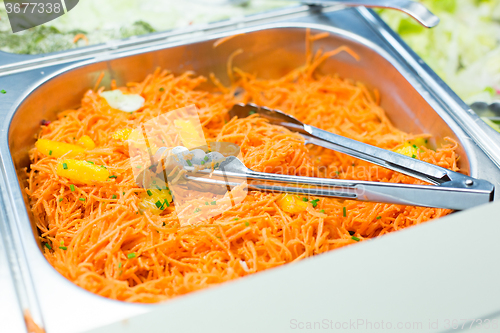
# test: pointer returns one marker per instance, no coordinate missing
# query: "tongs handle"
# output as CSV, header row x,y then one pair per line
x,y
449,195
416,10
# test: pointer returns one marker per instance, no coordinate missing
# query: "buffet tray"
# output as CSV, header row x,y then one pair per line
x,y
415,99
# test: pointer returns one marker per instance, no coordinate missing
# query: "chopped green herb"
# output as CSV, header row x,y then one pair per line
x,y
72,188
322,211
314,202
102,166
202,162
113,176
3,91
90,162
426,141
415,146
166,202
236,219
48,246
50,152
65,166
197,210
205,158
150,193
247,224
379,217
113,196
216,166
344,211
189,162
63,248
252,112
137,166
119,265
81,199
413,156
355,238
213,203
162,89
337,172
61,199
158,204
305,199
131,255
123,193
206,203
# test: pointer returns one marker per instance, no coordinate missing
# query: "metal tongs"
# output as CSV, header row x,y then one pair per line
x,y
451,190
415,9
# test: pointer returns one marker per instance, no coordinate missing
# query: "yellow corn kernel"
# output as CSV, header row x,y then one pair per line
x,y
86,142
122,134
407,150
58,149
291,203
190,136
82,171
155,200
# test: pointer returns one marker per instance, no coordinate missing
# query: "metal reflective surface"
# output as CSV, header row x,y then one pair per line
x,y
414,98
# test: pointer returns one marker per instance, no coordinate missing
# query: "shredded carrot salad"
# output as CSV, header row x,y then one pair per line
x,y
96,236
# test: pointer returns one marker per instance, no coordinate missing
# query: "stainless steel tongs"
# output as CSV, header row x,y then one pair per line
x,y
451,189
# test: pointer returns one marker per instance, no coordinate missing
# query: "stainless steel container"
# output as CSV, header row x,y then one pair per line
x,y
415,99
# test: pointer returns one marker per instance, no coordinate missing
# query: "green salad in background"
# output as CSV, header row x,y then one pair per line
x,y
464,49
99,21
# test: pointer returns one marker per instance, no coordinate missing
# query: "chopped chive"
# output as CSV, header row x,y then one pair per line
x,y
202,162
113,196
166,202
415,146
63,248
150,193
137,166
344,211
65,166
189,162
131,255
247,224
72,188
50,152
61,199
314,202
252,112
379,217
216,166
113,176
123,193
162,89
413,156
81,199
90,162
158,204
48,246
236,219
205,158
213,203
305,199
322,211
355,238
337,172
3,91
206,203
120,265
426,140
197,210
102,166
